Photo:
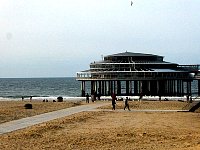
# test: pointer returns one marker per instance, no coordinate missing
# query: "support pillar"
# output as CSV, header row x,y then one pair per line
x,y
153,88
135,87
198,87
103,93
174,87
83,88
140,87
161,88
168,88
189,91
105,87
99,88
171,87
178,87
148,88
158,87
114,90
127,88
111,87
95,86
118,87
182,88
92,87
130,87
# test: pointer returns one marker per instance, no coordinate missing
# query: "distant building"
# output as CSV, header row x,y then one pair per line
x,y
136,73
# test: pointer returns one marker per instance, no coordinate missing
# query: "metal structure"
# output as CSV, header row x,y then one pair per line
x,y
137,73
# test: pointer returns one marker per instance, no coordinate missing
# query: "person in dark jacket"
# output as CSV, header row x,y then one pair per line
x,y
113,101
87,98
126,104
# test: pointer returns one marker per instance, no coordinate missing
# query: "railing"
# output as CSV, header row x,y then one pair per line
x,y
128,75
192,68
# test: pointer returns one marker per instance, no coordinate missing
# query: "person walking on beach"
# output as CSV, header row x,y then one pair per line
x,y
113,101
87,98
141,95
92,97
126,104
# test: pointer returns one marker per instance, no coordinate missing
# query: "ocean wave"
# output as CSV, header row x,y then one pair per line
x,y
49,98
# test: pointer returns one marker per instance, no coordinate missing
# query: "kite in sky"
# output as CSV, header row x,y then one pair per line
x,y
131,3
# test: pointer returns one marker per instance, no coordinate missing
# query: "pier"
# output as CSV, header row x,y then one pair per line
x,y
138,74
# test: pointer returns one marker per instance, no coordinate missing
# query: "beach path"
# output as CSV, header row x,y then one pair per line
x,y
30,121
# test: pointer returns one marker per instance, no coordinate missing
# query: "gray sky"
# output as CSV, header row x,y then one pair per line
x,y
57,38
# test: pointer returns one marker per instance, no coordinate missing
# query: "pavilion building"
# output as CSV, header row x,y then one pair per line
x,y
137,73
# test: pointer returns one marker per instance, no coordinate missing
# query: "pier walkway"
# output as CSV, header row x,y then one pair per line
x,y
30,121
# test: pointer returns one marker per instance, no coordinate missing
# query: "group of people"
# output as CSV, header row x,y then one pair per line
x,y
114,98
30,98
94,97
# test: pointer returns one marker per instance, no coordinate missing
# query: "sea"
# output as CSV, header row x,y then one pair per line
x,y
47,88
39,88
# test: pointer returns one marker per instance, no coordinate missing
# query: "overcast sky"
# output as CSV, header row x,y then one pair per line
x,y
57,38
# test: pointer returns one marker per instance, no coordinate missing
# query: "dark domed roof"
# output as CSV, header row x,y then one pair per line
x,y
132,54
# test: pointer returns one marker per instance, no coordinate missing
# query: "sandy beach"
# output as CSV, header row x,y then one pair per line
x,y
13,110
107,129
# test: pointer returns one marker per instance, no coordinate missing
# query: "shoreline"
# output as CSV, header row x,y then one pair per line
x,y
77,98
50,98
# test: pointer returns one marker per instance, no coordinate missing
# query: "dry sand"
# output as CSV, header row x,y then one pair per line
x,y
13,110
113,130
152,105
